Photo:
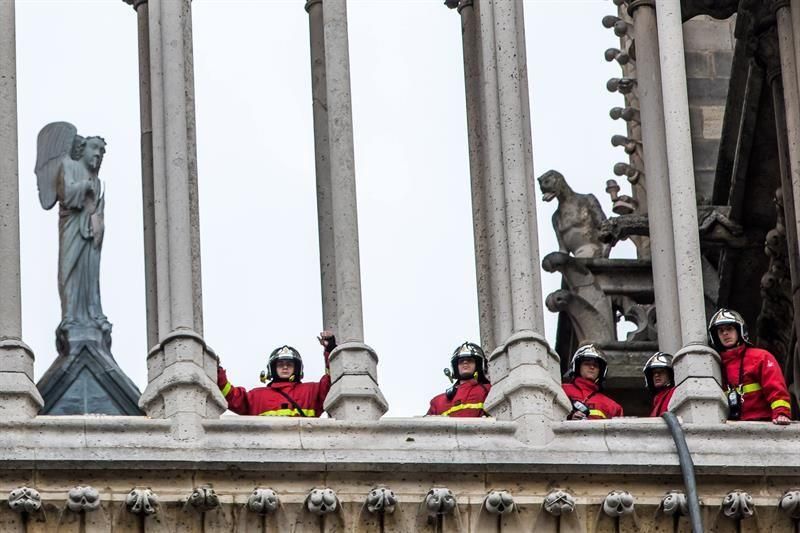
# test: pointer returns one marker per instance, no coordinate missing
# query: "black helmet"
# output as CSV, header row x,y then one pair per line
x,y
589,351
469,350
726,317
283,353
657,360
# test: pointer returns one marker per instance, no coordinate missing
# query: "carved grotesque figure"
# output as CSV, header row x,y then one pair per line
x,y
578,217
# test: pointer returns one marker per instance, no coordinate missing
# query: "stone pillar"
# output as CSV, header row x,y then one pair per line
x,y
19,397
524,370
654,143
698,397
473,88
319,102
181,370
146,146
354,394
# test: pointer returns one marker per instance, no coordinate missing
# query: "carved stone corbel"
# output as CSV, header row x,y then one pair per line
x,y
203,499
263,501
674,503
790,503
25,500
738,505
141,501
618,503
559,502
499,502
440,501
83,499
381,500
322,501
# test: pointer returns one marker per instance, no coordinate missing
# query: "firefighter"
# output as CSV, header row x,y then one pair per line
x,y
285,394
752,378
468,367
659,378
587,372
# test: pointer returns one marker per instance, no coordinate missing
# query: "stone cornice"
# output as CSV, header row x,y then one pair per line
x,y
431,445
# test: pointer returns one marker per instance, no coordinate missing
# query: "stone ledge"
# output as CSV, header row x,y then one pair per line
x,y
631,446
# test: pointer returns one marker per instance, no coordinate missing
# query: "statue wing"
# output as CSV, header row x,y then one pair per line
x,y
54,142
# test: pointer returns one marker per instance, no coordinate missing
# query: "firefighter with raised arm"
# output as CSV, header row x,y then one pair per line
x,y
587,372
752,378
285,394
659,378
465,398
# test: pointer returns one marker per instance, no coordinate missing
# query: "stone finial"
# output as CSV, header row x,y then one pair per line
x,y
738,504
621,85
440,501
25,500
83,499
381,500
628,114
674,503
203,499
789,504
322,501
499,502
618,503
622,203
629,171
629,145
263,501
141,501
616,54
559,502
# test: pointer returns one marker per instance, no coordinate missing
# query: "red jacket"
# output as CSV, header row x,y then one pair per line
x,y
267,401
467,401
588,392
661,401
764,390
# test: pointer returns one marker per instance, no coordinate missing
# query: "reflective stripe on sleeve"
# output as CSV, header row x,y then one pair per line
x,y
780,403
751,387
462,407
288,412
226,389
597,412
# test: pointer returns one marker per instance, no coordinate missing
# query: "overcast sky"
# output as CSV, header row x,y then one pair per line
x,y
77,61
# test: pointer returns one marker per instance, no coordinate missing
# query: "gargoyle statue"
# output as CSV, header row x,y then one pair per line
x,y
577,219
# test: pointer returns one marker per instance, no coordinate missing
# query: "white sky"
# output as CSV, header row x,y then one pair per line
x,y
77,61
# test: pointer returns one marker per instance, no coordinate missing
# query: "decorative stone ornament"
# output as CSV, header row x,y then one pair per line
x,y
263,501
738,505
25,500
440,501
322,501
674,503
499,502
790,503
559,502
618,503
83,499
203,499
141,501
381,500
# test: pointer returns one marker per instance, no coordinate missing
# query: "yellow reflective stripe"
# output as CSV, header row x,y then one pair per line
x,y
288,412
597,412
751,387
226,389
780,403
462,407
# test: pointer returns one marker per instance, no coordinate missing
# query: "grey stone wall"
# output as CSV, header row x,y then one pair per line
x,y
709,47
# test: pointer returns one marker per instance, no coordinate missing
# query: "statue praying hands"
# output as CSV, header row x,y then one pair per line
x,y
67,167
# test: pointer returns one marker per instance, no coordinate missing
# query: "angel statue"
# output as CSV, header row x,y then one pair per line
x,y
67,165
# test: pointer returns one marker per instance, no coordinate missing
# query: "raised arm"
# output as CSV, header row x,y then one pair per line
x,y
236,396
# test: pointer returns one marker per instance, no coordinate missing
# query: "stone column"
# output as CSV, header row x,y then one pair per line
x,y
654,143
181,370
146,146
354,393
319,102
473,88
524,370
698,397
19,397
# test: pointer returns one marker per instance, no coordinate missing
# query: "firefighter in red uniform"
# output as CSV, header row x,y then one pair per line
x,y
587,371
285,394
660,381
753,379
465,398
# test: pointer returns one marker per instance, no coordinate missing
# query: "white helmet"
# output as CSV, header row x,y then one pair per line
x,y
657,360
726,317
589,351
